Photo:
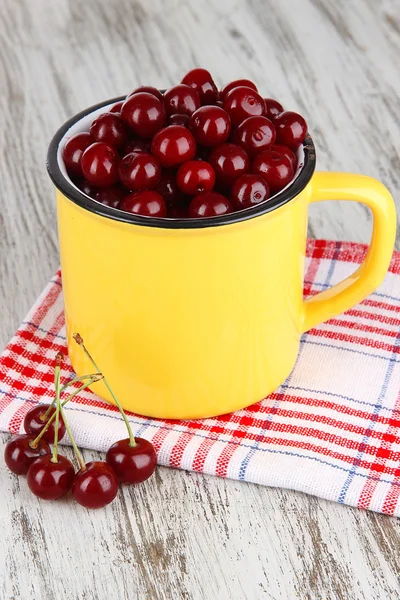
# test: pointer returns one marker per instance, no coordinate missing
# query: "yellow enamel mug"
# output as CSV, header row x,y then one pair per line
x,y
196,318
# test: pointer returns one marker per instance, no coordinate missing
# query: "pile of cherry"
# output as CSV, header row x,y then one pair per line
x,y
51,475
194,151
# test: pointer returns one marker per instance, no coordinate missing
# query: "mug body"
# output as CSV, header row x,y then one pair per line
x,y
186,320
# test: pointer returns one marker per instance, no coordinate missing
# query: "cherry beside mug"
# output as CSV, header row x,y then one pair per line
x,y
192,318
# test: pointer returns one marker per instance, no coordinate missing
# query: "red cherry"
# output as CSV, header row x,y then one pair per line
x,y
201,80
100,164
73,150
272,108
249,190
291,129
275,168
89,189
182,120
111,196
286,152
132,464
144,113
229,162
173,145
19,455
255,134
110,129
168,188
243,102
148,204
178,212
116,108
50,480
209,204
148,89
181,99
136,145
210,125
234,84
95,486
34,422
139,171
195,176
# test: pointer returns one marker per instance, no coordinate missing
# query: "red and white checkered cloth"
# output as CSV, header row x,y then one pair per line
x,y
331,430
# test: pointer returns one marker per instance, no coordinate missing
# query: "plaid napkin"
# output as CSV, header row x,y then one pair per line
x,y
332,429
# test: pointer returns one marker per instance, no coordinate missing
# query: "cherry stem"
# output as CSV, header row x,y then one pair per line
x,y
78,453
78,339
64,387
57,386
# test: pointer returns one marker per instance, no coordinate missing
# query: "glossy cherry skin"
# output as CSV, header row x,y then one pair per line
x,y
195,176
275,168
173,145
100,164
139,171
237,83
229,162
95,486
88,188
50,480
286,152
209,204
249,190
132,464
272,108
149,89
202,81
135,145
73,150
210,125
255,134
243,102
181,99
110,129
168,188
182,120
111,196
291,129
148,203
18,454
116,108
34,423
144,113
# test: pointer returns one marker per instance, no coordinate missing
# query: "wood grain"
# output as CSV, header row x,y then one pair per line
x,y
183,535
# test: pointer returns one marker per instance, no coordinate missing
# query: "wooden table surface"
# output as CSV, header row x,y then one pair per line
x,y
182,535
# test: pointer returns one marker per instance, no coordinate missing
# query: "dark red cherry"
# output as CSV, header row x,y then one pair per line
x,y
209,204
249,190
210,125
147,203
148,89
50,480
195,176
100,164
168,188
201,80
19,454
144,113
95,486
243,102
229,162
291,129
272,108
139,171
111,196
173,145
35,420
286,152
110,129
116,108
255,134
181,99
88,188
182,120
132,464
275,168
179,211
234,84
135,145
73,150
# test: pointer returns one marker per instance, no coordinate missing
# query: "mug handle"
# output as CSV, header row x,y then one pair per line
x,y
342,296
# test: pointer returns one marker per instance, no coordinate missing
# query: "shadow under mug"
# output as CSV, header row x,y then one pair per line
x,y
201,317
